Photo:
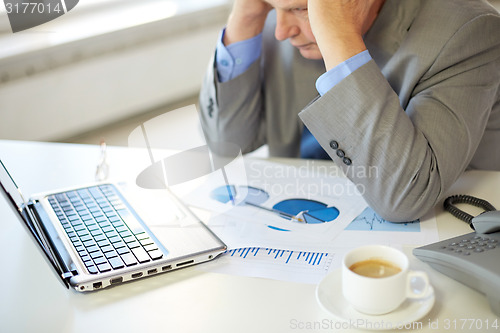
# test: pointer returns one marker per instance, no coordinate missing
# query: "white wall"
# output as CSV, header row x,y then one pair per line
x,y
106,78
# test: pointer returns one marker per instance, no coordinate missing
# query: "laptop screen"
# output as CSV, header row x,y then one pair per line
x,y
11,188
19,204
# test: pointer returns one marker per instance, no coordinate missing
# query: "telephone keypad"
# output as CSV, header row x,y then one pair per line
x,y
475,244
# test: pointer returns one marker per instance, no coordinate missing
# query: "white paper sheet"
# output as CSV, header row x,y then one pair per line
x,y
242,225
284,265
265,244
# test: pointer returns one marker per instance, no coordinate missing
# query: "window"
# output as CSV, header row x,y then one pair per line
x,y
96,27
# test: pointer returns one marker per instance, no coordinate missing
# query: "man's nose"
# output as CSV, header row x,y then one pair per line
x,y
286,26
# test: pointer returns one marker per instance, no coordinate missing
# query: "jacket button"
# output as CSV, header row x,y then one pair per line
x,y
347,161
334,144
210,107
340,153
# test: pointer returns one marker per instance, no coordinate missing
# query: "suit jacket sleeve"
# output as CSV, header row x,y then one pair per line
x,y
233,111
404,160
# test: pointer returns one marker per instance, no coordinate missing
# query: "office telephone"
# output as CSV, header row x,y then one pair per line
x,y
474,258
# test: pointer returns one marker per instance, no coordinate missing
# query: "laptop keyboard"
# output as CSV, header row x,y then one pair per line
x,y
103,230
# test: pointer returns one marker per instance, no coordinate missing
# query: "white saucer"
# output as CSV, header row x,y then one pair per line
x,y
329,296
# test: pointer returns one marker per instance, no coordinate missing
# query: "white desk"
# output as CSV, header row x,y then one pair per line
x,y
187,300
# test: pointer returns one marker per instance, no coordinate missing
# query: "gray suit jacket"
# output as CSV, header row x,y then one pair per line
x,y
423,111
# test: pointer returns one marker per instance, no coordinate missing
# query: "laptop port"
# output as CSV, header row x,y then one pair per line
x,y
185,263
136,275
166,268
97,285
152,271
116,280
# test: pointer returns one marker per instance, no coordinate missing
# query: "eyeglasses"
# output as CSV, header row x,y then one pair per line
x,y
102,170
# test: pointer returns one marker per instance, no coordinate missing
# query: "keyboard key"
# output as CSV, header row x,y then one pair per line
x,y
122,250
96,254
92,248
87,260
146,241
114,239
126,234
105,223
108,229
107,248
73,218
80,247
111,234
119,244
98,214
93,209
129,259
134,244
82,233
142,235
79,227
129,238
115,218
103,243
86,237
118,224
150,247
86,217
121,228
100,260
155,254
95,192
99,238
95,233
104,267
141,254
111,254
78,244
89,243
94,227
92,270
116,262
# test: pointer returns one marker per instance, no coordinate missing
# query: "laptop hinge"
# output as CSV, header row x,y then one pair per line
x,y
58,253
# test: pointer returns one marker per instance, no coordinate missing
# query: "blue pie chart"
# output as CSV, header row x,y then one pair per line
x,y
314,212
246,194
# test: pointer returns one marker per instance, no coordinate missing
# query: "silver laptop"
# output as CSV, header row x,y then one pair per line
x,y
94,239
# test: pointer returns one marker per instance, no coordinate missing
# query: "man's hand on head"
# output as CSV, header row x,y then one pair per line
x,y
246,20
339,26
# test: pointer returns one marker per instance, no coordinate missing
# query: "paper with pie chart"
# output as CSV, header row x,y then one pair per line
x,y
278,206
298,210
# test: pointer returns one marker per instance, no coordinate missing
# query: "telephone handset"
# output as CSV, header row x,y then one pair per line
x,y
472,259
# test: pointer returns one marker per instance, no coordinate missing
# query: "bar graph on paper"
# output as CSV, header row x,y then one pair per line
x,y
285,257
296,266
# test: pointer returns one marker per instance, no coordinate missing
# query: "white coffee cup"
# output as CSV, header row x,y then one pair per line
x,y
381,294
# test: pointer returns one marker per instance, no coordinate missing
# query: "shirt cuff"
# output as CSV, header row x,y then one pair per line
x,y
236,58
331,78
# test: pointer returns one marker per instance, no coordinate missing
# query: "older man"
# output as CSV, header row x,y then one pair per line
x,y
410,88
